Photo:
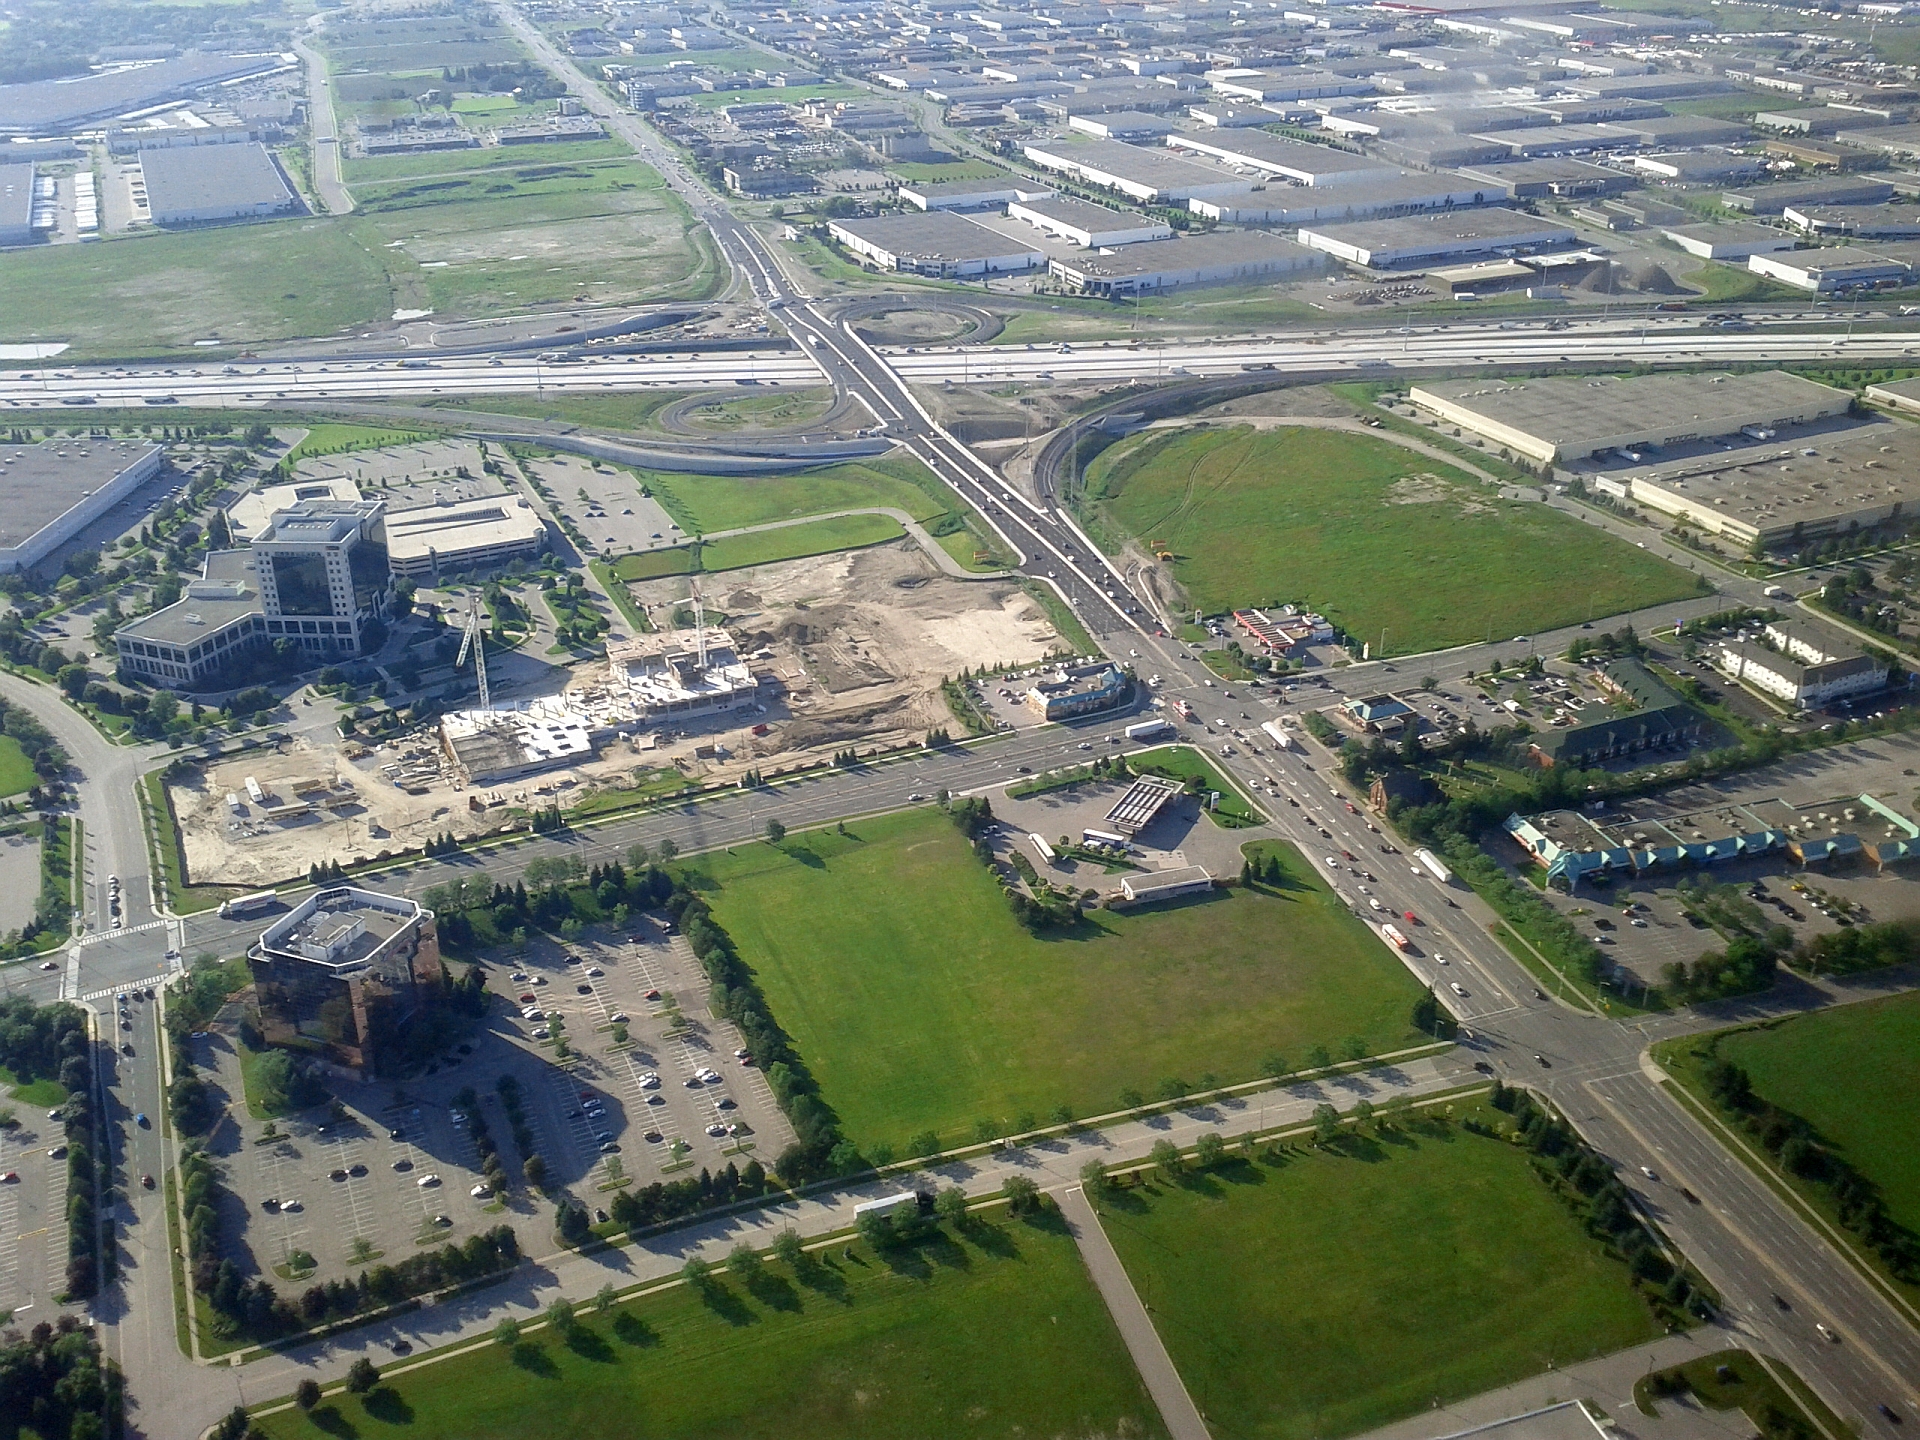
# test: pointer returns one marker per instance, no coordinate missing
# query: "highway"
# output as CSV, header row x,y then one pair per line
x,y
1746,1241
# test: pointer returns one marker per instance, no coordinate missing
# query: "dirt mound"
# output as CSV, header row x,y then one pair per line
x,y
1600,280
1651,279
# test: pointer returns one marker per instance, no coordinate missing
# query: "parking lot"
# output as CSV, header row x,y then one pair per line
x,y
399,1171
615,517
33,1199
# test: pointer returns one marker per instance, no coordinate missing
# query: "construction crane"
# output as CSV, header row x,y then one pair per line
x,y
473,639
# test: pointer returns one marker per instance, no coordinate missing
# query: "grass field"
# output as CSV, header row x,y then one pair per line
x,y
37,1093
331,439
918,1002
1383,540
1327,1292
1849,1072
1212,309
1183,762
702,504
1005,1318
795,542
487,157
16,770
724,414
604,412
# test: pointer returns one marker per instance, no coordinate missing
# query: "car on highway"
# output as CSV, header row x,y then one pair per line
x,y
1826,1334
146,1182
1457,987
142,1121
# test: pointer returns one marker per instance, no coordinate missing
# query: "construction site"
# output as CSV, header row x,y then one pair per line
x,y
771,667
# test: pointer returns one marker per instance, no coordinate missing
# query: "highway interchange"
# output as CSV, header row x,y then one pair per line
x,y
1749,1244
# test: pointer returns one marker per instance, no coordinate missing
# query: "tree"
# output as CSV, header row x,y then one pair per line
x,y
535,1169
1022,1194
1166,1159
788,1247
507,1332
697,1273
73,679
560,1317
1355,1048
743,1261
776,832
1363,1112
1318,1058
1326,1123
1093,1176
951,1205
361,1376
604,1297
1209,1150
1274,1066
307,1393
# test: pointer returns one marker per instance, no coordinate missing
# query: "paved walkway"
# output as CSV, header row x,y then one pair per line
x,y
1177,1410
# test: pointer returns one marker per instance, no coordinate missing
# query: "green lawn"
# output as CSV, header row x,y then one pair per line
x,y
16,770
486,157
795,542
1183,762
701,504
1850,1073
328,438
606,412
1324,1293
998,1335
1379,538
41,1093
892,960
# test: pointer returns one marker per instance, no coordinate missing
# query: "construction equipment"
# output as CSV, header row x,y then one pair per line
x,y
473,639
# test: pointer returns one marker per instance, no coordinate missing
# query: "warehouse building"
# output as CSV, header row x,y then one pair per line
x,y
1838,267
1558,419
1422,240
1392,193
205,184
987,194
1090,226
1122,125
937,243
1775,493
1213,258
59,107
1836,190
1866,222
1734,240
1802,663
52,491
1289,160
1153,177
16,205
1558,176
189,644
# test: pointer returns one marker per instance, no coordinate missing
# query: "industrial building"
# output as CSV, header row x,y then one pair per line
x,y
1774,491
457,537
1557,176
1735,240
1837,267
1212,258
52,491
1423,240
1152,177
323,573
937,243
1074,690
1090,226
1834,190
1290,160
16,205
1803,663
343,974
191,642
1390,193
59,107
987,194
1558,419
205,184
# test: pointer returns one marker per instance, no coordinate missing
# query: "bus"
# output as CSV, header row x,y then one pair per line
x,y
1106,838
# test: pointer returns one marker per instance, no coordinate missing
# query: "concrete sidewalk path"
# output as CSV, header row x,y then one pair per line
x,y
1177,1410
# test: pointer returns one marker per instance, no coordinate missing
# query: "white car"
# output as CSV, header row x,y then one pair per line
x,y
1332,864
1458,988
542,1033
481,1191
427,1182
595,972
619,1017
533,1012
1439,959
650,1081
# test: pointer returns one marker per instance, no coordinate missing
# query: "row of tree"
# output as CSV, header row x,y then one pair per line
x,y
56,1384
1795,1143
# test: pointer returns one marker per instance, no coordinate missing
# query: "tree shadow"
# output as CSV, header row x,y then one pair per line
x,y
385,1405
824,1279
804,856
1129,1201
1395,1135
776,1292
1048,1221
589,1344
1240,1170
907,1262
944,1250
329,1419
727,1305
630,1329
534,1359
1201,1182
989,1238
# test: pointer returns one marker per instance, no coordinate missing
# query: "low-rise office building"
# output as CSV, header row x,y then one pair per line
x,y
1837,267
193,643
463,536
1079,690
343,974
1734,240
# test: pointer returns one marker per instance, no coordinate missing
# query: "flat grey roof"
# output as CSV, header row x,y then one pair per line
x,y
1839,190
947,189
198,615
1567,410
16,197
40,483
1493,223
1085,214
1183,252
1160,169
933,234
1267,152
189,178
53,107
